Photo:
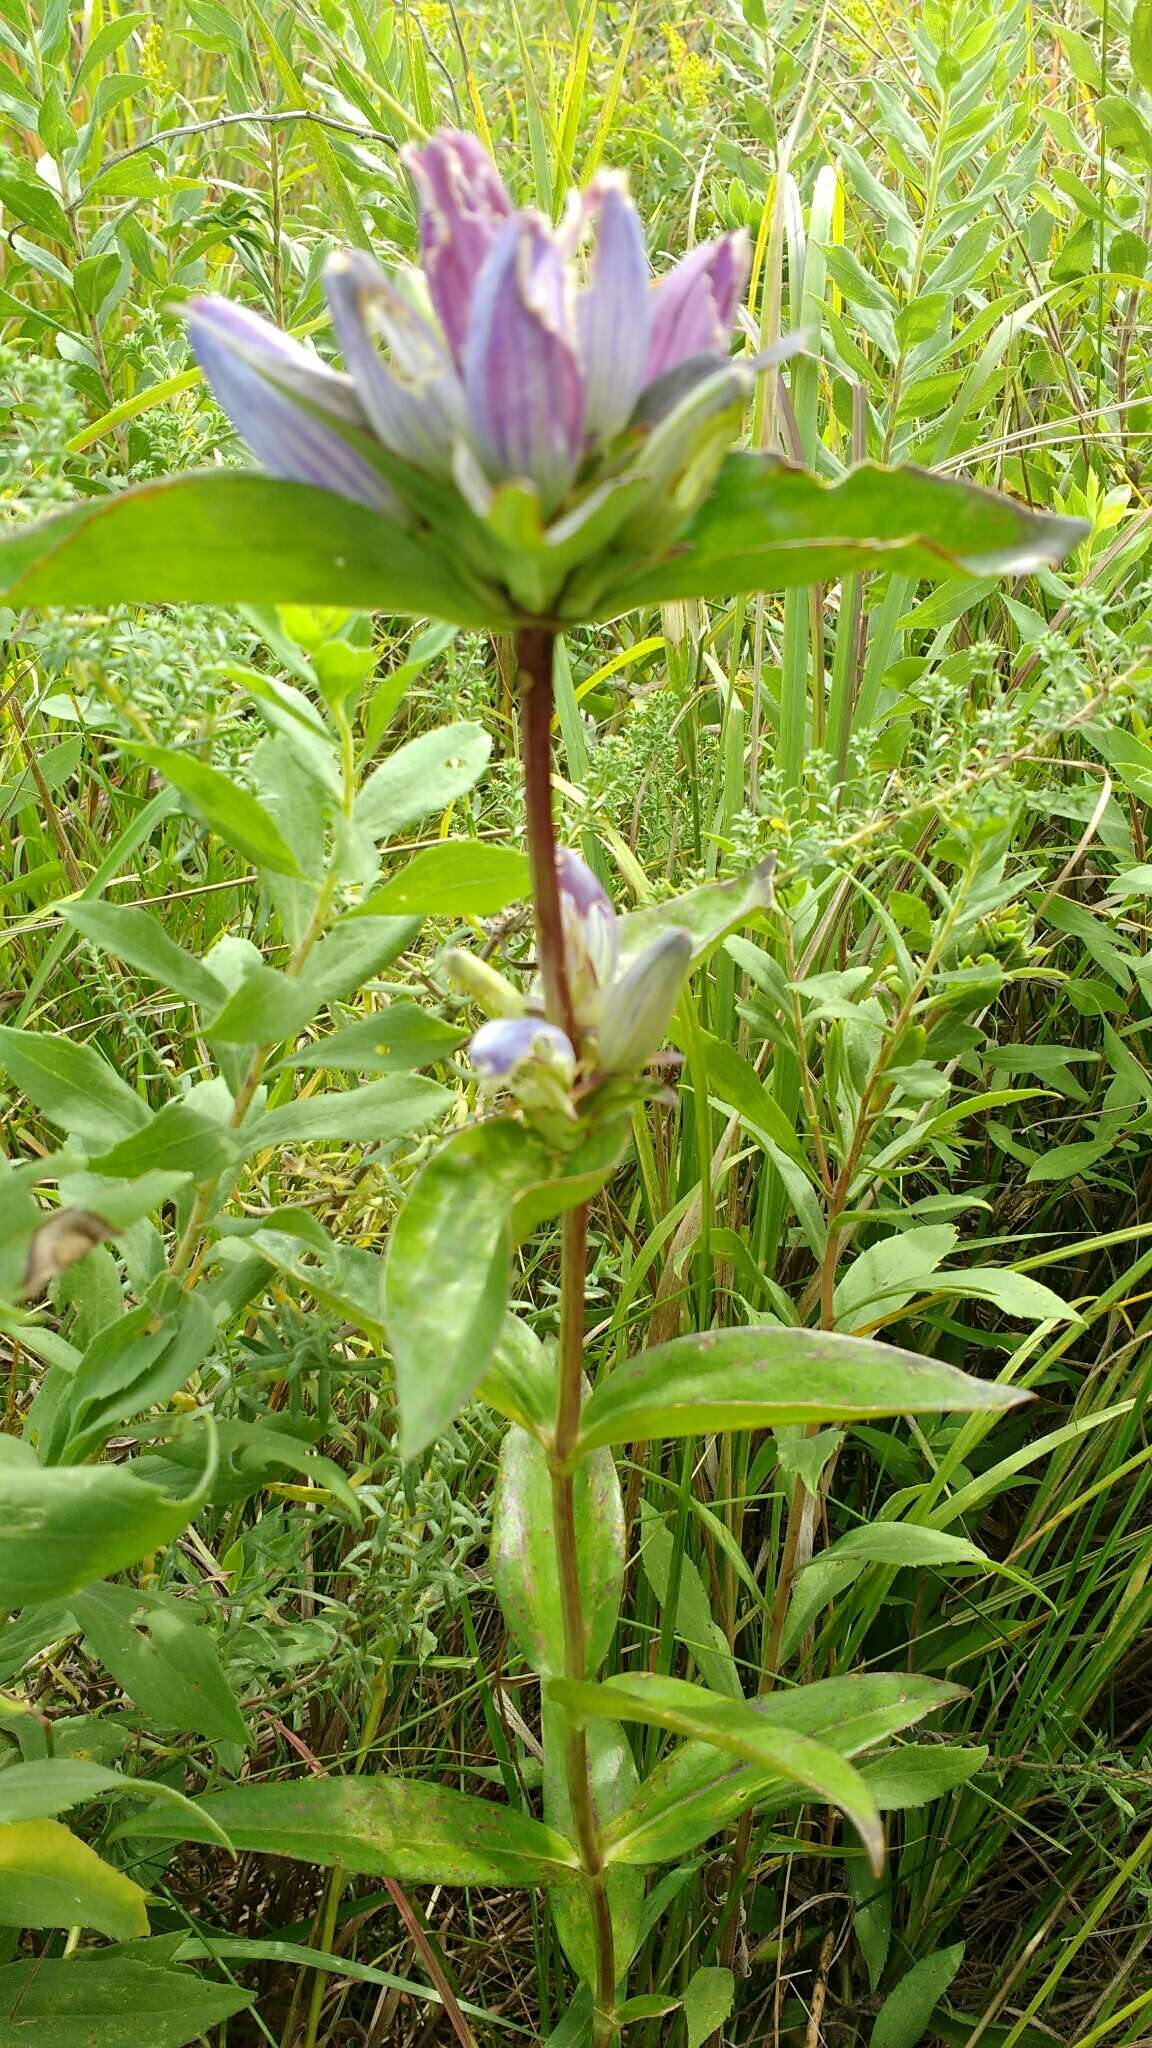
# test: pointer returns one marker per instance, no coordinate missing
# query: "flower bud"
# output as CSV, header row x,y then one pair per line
x,y
529,1058
639,1005
485,984
591,945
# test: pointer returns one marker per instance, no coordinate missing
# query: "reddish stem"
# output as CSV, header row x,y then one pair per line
x,y
534,653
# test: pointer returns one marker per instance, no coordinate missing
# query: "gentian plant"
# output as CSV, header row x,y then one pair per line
x,y
530,434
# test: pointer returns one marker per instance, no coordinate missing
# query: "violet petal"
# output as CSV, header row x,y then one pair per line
x,y
505,1043
522,376
614,313
463,205
694,306
277,394
414,401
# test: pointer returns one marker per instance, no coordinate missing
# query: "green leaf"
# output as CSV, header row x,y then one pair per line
x,y
133,1363
892,1271
110,2001
377,1827
708,2000
166,1662
356,950
46,1787
1016,1294
225,807
523,1552
645,2005
449,1260
694,1792
425,775
73,1086
460,878
707,913
176,1140
872,1914
64,1526
902,1543
904,2017
758,1378
1124,126
264,1008
390,1041
520,1380
767,526
615,1781
738,1728
447,1272
49,1878
377,1114
134,935
235,537
33,204
914,1776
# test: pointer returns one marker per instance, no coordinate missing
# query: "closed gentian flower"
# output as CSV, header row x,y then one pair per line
x,y
528,1058
639,1005
591,942
519,357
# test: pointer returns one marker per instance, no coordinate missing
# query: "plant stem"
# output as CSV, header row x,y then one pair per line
x,y
535,646
576,1763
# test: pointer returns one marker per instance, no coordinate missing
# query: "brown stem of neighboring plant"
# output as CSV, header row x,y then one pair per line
x,y
534,652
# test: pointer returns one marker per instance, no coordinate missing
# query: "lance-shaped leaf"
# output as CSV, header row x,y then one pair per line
x,y
707,914
236,537
376,1827
523,1552
762,1377
697,1789
62,1527
614,1780
450,1257
48,1786
768,526
110,2000
736,1727
49,1878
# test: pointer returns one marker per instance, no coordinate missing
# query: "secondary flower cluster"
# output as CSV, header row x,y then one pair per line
x,y
518,354
622,1012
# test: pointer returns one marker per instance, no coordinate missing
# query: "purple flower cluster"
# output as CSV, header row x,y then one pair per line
x,y
516,354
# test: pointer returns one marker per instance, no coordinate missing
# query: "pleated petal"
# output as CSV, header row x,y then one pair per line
x,y
413,401
463,205
694,306
288,406
614,312
522,377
